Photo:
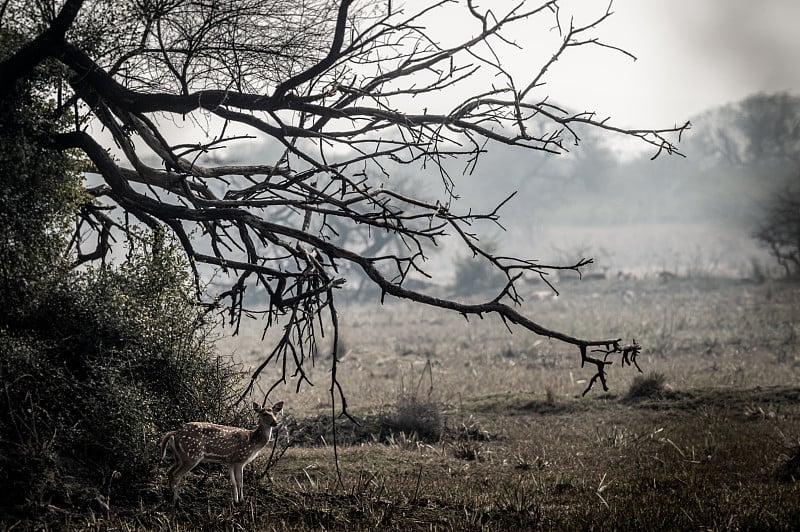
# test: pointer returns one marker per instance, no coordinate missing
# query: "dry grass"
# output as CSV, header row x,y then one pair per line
x,y
696,333
695,461
709,443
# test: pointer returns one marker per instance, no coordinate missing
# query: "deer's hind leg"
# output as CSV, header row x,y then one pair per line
x,y
177,472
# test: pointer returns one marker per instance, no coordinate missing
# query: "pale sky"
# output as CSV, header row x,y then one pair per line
x,y
692,55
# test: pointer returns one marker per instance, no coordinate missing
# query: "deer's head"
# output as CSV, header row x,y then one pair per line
x,y
268,416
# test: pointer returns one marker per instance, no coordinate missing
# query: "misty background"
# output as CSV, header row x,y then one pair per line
x,y
728,66
689,215
637,214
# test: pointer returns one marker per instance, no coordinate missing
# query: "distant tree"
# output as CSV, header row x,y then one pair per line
x,y
373,243
761,129
336,85
771,126
474,275
779,229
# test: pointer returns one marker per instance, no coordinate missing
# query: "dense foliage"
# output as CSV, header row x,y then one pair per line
x,y
109,359
39,195
94,362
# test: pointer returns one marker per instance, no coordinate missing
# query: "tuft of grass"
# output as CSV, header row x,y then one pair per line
x,y
550,397
789,468
414,416
471,430
470,451
650,386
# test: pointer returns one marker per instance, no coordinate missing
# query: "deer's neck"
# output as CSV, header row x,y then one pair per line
x,y
260,436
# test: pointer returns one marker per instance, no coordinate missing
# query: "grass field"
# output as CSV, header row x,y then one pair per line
x,y
699,333
465,426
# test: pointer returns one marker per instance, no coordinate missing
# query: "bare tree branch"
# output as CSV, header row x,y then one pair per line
x,y
332,88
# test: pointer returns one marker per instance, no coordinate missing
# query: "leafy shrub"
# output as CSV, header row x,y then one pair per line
x,y
94,365
111,358
40,193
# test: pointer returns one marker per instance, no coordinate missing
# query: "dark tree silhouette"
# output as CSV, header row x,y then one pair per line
x,y
333,84
778,230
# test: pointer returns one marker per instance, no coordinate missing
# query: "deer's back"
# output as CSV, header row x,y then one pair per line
x,y
216,443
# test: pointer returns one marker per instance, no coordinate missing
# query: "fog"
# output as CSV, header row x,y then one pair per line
x,y
688,214
674,212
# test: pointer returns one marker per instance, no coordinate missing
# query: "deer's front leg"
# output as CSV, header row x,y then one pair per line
x,y
238,473
232,473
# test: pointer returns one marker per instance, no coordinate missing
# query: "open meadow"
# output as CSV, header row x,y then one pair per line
x,y
465,426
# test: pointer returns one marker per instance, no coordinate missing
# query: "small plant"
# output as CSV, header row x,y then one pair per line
x,y
550,397
759,413
470,430
416,416
537,464
468,450
411,415
521,502
789,469
650,386
614,436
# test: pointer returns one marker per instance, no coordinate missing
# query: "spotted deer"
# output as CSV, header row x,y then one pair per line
x,y
197,442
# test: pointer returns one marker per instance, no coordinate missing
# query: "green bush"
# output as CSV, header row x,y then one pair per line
x,y
110,359
40,194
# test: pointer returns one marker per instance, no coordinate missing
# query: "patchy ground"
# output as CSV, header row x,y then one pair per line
x,y
469,427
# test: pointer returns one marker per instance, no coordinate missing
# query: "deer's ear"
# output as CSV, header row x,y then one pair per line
x,y
277,407
256,407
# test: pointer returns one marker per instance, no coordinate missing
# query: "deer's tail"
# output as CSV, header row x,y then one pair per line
x,y
168,441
